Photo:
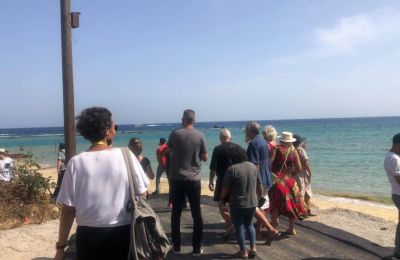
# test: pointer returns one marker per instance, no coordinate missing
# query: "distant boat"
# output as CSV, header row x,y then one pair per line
x,y
217,127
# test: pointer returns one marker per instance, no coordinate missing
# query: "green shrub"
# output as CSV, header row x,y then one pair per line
x,y
29,179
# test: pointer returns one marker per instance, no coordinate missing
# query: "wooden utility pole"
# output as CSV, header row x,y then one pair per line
x,y
68,82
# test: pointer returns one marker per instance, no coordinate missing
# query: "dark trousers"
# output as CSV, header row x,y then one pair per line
x,y
59,182
181,189
396,201
103,243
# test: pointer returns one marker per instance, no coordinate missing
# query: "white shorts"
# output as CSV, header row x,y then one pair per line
x,y
266,197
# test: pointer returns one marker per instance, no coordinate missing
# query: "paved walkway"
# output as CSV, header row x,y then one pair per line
x,y
313,240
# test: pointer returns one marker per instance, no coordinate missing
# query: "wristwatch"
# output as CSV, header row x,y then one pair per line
x,y
60,246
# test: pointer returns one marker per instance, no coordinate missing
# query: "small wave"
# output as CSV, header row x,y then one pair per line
x,y
10,136
44,135
151,125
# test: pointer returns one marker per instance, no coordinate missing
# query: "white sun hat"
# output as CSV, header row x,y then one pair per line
x,y
287,137
2,150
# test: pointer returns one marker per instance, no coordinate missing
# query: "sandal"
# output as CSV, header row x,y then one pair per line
x,y
252,254
291,233
239,255
275,237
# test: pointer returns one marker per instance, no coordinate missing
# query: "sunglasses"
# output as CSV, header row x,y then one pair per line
x,y
116,128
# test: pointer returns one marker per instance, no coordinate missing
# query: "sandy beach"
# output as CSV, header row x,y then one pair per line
x,y
372,221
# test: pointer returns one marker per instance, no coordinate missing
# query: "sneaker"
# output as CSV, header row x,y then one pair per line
x,y
176,251
198,252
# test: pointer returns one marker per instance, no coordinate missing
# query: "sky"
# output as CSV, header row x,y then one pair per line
x,y
228,60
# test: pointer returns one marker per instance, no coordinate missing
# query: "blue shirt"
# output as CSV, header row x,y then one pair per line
x,y
257,152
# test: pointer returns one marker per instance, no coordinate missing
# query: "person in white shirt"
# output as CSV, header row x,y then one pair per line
x,y
392,168
95,191
6,166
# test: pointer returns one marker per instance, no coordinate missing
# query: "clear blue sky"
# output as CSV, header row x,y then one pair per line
x,y
227,59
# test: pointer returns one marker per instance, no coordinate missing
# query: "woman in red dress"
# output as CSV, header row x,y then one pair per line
x,y
286,196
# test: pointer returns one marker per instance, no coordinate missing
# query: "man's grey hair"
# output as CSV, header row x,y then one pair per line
x,y
254,127
225,134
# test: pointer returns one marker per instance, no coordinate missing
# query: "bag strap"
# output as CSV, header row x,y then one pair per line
x,y
131,175
290,149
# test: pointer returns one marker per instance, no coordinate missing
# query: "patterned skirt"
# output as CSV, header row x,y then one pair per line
x,y
286,197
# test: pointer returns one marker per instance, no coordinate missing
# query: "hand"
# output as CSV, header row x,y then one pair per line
x,y
211,186
60,255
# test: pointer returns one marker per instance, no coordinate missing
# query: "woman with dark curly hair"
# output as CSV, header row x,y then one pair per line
x,y
243,183
95,191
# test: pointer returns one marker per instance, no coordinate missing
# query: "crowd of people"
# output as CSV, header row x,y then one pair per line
x,y
272,175
269,179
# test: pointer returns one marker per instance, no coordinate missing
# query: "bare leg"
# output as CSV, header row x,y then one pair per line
x,y
264,221
291,229
274,217
225,215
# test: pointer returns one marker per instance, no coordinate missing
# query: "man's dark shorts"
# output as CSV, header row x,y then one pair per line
x,y
218,191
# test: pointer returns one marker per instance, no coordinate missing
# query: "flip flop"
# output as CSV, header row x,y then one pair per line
x,y
252,254
269,241
239,255
290,233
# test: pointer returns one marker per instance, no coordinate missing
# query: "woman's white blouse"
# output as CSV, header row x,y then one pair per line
x,y
96,185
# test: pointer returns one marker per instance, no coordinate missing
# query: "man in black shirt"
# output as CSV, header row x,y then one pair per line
x,y
218,166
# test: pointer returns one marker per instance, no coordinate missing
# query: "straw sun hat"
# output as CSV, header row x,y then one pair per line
x,y
287,137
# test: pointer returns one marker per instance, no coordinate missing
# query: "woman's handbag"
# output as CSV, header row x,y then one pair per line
x,y
148,239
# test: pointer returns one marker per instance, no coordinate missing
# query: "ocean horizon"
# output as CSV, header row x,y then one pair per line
x,y
346,154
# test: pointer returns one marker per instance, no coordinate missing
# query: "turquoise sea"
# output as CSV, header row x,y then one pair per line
x,y
346,154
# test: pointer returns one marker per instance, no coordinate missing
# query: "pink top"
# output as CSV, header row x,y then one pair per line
x,y
272,146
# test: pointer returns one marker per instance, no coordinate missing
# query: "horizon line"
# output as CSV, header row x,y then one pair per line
x,y
290,119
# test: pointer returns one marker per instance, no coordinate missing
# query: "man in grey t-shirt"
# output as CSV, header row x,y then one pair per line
x,y
187,147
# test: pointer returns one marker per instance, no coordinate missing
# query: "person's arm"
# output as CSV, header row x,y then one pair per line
x,y
158,153
203,149
395,170
211,180
297,163
66,221
272,157
149,172
259,189
308,168
58,165
213,169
